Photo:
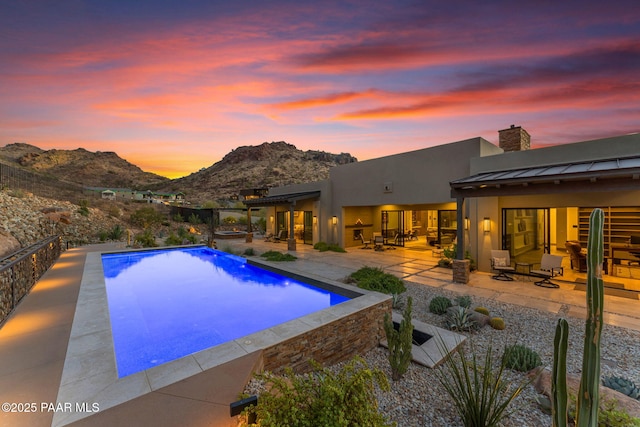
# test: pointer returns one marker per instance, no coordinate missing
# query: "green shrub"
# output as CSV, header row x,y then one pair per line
x,y
464,301
480,393
84,208
459,319
229,220
278,256
249,252
323,247
178,218
194,219
145,239
375,279
173,240
482,310
520,358
116,233
322,398
497,323
439,305
399,342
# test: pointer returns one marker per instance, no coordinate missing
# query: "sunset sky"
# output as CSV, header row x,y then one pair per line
x,y
173,86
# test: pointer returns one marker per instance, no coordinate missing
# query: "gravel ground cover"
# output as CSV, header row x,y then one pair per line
x,y
419,400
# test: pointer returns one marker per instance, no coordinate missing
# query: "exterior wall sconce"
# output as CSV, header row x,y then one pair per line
x,y
486,224
315,219
334,220
271,219
466,223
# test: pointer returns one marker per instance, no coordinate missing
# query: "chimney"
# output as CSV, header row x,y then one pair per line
x,y
514,139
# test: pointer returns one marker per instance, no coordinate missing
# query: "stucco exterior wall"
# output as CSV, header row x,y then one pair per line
x,y
620,146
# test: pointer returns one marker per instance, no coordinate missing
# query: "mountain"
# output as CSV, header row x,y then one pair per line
x,y
99,169
62,173
265,165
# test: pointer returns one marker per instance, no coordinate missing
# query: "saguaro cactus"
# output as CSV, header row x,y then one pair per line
x,y
589,393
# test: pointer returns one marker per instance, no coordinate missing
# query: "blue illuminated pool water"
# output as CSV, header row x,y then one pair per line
x,y
169,303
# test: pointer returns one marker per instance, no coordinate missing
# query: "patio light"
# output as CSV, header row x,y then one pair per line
x,y
486,224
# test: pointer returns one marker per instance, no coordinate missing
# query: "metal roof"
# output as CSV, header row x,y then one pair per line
x,y
597,175
282,199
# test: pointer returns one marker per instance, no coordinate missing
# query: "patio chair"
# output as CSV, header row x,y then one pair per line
x,y
282,235
378,242
366,243
501,264
550,266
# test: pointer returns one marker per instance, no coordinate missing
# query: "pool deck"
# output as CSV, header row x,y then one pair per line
x,y
35,338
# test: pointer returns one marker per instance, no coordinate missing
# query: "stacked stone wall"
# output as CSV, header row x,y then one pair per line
x,y
334,342
22,269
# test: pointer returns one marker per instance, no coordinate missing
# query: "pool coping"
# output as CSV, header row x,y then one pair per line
x,y
90,375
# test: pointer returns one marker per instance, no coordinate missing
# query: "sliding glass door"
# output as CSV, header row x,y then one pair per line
x,y
526,233
393,227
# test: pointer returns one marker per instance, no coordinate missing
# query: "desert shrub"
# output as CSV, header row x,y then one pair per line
x,y
323,247
278,256
459,319
497,323
249,252
375,279
194,219
482,310
399,342
439,305
145,239
84,207
520,358
146,217
103,235
464,301
116,233
322,398
229,220
173,240
178,218
480,392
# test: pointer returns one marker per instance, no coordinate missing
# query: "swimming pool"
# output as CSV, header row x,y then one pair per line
x,y
166,304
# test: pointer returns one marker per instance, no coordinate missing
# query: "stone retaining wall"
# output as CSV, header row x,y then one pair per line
x,y
22,269
333,342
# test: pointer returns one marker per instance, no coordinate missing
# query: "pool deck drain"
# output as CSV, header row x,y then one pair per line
x,y
90,374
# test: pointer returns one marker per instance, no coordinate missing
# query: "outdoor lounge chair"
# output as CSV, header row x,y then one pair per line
x,y
550,266
501,264
366,243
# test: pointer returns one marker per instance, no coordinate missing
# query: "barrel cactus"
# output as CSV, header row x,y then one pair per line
x,y
439,305
497,323
622,385
482,310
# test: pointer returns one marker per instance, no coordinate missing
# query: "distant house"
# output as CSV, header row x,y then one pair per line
x,y
108,195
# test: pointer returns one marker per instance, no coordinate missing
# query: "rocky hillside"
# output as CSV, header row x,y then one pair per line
x,y
26,219
266,165
99,169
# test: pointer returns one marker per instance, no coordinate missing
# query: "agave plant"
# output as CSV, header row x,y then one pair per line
x,y
459,319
